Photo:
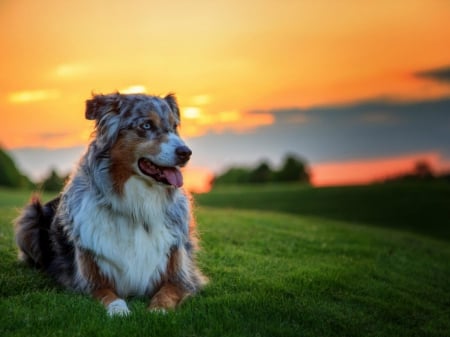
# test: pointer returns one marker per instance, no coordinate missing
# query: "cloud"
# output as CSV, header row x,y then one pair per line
x,y
363,130
331,134
70,70
58,139
28,96
134,89
52,135
441,74
378,118
201,99
200,121
290,116
371,112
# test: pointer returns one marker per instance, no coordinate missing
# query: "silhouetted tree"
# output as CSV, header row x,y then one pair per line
x,y
10,176
53,182
234,175
423,170
293,170
261,174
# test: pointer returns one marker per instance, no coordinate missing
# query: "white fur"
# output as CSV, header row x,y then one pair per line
x,y
167,155
125,251
118,308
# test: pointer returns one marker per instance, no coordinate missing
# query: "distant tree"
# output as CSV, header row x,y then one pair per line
x,y
423,170
53,182
293,170
234,175
10,176
261,174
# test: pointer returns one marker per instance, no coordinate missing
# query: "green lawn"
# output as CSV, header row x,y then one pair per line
x,y
421,207
272,274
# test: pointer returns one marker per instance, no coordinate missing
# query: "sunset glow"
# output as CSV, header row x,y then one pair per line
x,y
365,171
233,65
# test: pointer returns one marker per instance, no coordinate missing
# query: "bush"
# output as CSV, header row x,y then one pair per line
x,y
53,182
293,169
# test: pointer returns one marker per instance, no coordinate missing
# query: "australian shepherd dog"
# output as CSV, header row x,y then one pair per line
x,y
122,226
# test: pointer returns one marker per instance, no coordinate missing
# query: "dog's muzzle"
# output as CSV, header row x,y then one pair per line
x,y
183,154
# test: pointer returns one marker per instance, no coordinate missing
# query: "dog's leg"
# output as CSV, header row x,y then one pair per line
x,y
102,287
113,303
168,297
177,284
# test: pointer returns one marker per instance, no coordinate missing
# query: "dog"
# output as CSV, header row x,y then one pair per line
x,y
122,226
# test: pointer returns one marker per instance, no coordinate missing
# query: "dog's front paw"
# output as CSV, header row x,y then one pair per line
x,y
118,308
160,311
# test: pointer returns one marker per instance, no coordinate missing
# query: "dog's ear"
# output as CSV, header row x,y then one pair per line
x,y
173,104
99,104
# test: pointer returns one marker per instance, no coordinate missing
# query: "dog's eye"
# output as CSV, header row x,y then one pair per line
x,y
147,126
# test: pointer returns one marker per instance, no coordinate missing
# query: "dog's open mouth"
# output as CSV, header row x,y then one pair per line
x,y
166,175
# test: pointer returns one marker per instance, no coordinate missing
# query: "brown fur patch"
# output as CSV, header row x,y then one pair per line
x,y
193,235
155,119
91,271
105,296
174,263
168,297
125,153
123,157
103,288
170,294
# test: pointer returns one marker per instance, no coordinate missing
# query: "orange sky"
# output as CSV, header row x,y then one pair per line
x,y
224,59
362,171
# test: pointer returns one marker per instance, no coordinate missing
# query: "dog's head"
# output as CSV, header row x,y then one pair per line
x,y
139,134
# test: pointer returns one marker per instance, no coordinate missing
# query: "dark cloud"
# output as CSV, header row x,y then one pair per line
x,y
439,74
367,129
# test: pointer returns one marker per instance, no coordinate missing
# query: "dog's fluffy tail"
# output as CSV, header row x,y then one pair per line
x,y
32,229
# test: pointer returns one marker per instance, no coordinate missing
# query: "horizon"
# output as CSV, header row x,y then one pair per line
x,y
359,90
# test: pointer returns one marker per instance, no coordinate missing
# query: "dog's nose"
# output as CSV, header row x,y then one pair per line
x,y
183,153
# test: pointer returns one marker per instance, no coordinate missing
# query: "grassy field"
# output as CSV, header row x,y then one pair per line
x,y
275,271
421,207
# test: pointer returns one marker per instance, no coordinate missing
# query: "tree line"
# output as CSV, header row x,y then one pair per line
x,y
422,171
10,176
293,169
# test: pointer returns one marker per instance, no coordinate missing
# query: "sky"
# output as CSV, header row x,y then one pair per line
x,y
359,89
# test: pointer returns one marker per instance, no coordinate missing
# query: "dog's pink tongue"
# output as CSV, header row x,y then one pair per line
x,y
173,176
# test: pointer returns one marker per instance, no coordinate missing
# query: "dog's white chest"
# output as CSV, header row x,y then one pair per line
x,y
135,260
132,251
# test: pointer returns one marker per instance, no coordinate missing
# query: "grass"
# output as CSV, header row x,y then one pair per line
x,y
420,207
272,274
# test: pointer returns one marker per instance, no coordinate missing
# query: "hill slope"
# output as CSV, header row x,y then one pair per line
x,y
271,274
417,207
